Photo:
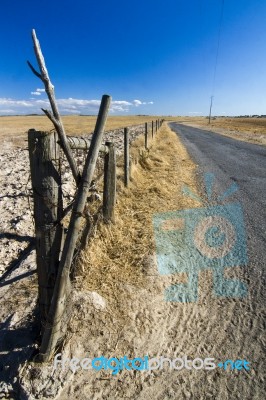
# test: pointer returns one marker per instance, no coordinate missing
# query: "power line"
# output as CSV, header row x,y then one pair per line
x,y
216,58
218,47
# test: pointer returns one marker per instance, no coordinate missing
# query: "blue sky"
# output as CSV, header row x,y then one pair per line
x,y
152,56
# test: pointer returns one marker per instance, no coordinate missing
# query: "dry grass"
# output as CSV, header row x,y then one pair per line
x,y
119,254
251,125
251,130
74,124
15,128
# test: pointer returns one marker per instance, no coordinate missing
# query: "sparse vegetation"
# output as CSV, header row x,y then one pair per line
x,y
120,253
15,128
248,124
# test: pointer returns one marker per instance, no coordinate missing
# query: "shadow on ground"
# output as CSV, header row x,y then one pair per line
x,y
17,345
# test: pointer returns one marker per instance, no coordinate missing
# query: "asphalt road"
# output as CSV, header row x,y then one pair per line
x,y
234,161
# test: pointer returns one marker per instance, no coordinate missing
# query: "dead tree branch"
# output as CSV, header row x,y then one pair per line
x,y
54,116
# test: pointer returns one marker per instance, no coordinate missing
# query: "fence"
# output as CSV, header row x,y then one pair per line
x,y
54,249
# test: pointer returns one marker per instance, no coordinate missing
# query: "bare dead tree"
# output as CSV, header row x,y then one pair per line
x,y
54,116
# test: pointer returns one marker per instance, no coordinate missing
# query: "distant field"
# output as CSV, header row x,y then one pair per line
x,y
14,128
251,130
251,125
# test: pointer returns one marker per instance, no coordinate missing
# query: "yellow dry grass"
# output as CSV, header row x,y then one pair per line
x,y
11,126
15,128
250,125
119,253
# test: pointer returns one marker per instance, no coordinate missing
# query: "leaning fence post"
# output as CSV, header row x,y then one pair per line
x,y
126,157
146,135
109,190
54,329
48,210
54,116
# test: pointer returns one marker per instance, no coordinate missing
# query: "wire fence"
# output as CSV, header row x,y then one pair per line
x,y
66,211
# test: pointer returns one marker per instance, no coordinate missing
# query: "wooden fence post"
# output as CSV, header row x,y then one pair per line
x,y
109,191
146,135
130,167
55,327
152,129
126,157
48,210
54,116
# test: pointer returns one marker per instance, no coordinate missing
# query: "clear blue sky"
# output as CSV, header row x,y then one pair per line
x,y
151,56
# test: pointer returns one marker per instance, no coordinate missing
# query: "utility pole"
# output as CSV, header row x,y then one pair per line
x,y
210,114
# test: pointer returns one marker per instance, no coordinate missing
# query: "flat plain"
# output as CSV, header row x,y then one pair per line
x,y
14,128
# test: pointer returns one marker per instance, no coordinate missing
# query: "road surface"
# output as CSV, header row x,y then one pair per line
x,y
234,161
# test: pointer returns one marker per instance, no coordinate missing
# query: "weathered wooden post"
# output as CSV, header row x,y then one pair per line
x,y
54,330
54,116
130,166
146,135
48,209
152,129
126,157
109,190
